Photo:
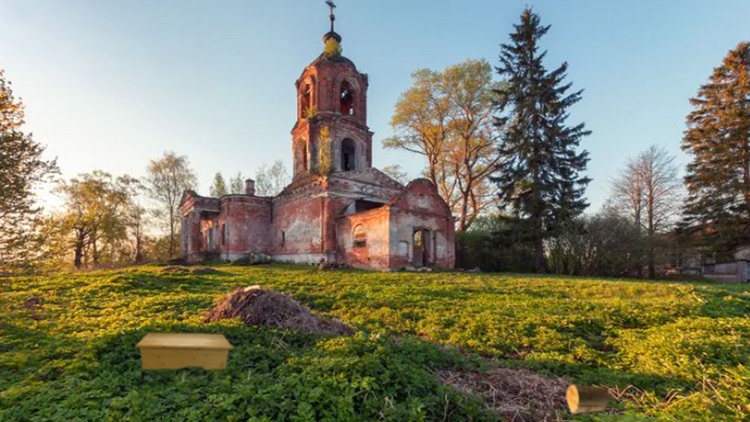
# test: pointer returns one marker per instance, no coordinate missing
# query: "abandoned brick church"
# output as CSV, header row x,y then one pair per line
x,y
338,208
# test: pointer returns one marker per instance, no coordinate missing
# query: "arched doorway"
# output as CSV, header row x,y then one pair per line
x,y
422,247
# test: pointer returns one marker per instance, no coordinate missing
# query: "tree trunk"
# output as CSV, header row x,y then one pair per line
x,y
651,258
171,232
639,263
138,247
651,226
537,218
94,250
78,249
539,254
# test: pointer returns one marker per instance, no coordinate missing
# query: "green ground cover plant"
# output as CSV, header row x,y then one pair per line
x,y
67,345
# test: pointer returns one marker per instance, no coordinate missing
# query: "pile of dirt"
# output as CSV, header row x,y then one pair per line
x,y
514,394
203,270
256,306
34,304
175,269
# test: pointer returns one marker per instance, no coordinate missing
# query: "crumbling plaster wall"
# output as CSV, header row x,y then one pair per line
x,y
420,207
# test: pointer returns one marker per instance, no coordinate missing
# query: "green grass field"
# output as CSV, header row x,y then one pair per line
x,y
684,347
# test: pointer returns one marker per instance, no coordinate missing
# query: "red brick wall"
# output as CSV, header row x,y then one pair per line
x,y
300,220
247,223
375,253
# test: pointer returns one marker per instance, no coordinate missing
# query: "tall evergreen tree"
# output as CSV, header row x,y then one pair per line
x,y
718,137
539,166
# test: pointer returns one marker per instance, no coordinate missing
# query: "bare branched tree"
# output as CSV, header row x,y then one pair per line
x,y
647,191
167,178
271,180
397,173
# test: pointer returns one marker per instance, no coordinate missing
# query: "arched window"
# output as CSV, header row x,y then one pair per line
x,y
347,99
301,155
305,101
359,236
348,155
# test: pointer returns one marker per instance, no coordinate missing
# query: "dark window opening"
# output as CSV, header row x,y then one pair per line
x,y
347,99
305,101
223,234
360,236
283,238
348,155
364,205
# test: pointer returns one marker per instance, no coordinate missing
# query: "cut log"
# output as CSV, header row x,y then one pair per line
x,y
586,399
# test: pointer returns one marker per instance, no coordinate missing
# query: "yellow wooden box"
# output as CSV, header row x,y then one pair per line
x,y
182,350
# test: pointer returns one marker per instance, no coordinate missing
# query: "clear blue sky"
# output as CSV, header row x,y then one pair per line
x,y
111,84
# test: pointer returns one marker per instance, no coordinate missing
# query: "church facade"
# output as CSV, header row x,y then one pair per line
x,y
338,209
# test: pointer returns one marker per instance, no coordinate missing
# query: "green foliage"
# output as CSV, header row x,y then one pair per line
x,y
219,186
325,157
100,211
717,208
446,117
22,168
311,113
540,178
683,346
332,49
605,244
167,178
494,243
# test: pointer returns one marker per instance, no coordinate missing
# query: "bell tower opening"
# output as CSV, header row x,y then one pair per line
x,y
346,99
305,101
300,157
331,93
348,155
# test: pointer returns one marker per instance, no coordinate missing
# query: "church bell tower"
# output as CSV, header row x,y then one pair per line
x,y
331,133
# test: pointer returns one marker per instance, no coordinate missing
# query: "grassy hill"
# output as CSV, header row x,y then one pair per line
x,y
67,345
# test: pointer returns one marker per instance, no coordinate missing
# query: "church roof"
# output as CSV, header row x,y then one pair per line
x,y
323,60
332,34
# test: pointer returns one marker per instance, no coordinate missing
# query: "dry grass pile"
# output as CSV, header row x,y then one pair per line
x,y
256,306
514,394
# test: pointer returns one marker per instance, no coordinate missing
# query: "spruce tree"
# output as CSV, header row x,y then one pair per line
x,y
718,177
539,169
